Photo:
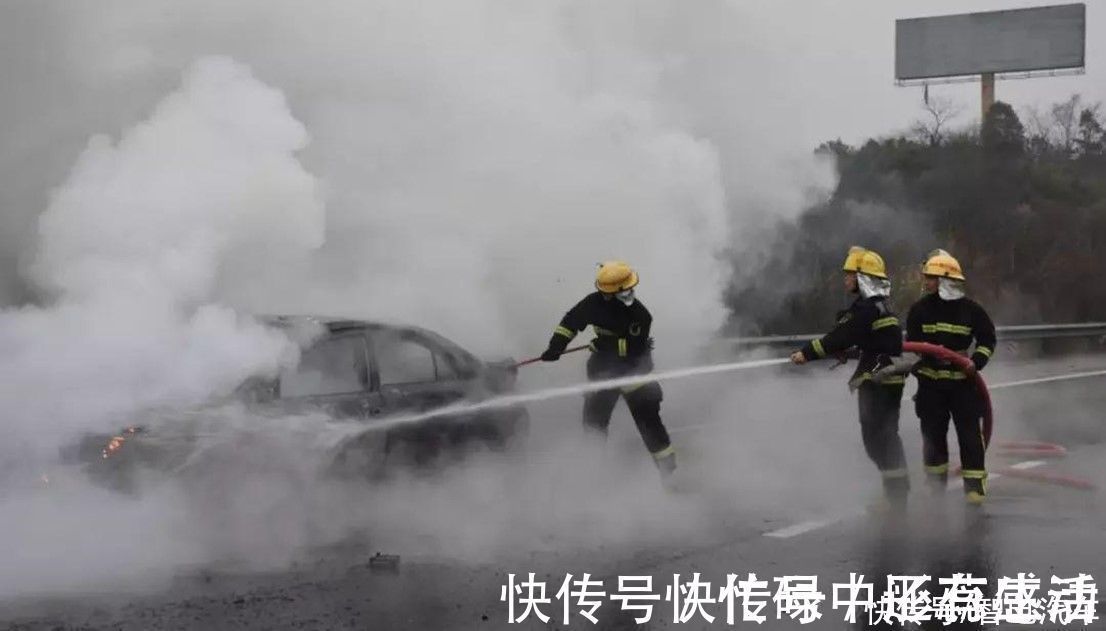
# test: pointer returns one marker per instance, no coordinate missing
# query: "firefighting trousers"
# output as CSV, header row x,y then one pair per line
x,y
879,429
644,402
935,403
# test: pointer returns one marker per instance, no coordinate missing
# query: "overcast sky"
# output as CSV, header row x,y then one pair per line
x,y
496,109
845,53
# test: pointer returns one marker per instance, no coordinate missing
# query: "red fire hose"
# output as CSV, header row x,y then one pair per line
x,y
1031,449
965,364
1049,478
1013,448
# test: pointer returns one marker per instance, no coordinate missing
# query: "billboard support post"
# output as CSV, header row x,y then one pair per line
x,y
987,94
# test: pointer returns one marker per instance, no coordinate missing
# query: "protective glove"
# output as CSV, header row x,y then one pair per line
x,y
550,355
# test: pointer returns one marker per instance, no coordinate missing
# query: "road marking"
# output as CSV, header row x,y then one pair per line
x,y
997,386
804,527
1030,382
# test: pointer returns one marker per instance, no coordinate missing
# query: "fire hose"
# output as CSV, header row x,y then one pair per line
x,y
965,364
1014,448
534,360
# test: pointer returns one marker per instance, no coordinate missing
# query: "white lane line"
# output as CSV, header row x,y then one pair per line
x,y
804,527
1030,382
996,386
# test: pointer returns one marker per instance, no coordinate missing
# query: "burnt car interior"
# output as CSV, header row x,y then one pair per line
x,y
354,358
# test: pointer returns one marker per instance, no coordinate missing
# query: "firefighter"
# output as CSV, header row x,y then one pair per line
x,y
944,316
622,347
873,329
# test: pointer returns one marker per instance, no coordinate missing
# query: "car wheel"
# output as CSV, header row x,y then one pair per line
x,y
364,457
506,432
248,498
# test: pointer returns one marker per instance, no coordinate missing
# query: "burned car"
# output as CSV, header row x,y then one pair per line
x,y
353,372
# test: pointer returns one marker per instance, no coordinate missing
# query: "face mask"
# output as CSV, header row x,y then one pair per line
x,y
869,286
949,289
626,297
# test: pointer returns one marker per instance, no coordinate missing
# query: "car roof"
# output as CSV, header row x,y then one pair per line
x,y
335,324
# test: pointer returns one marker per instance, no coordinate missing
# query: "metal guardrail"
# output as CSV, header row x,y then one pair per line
x,y
1005,333
1045,331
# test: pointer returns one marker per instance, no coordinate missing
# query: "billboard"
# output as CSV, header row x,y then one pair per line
x,y
1018,40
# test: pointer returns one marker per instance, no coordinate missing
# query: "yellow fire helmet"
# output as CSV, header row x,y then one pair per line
x,y
865,261
942,264
615,276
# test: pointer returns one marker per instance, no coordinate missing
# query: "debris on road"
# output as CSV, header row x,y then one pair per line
x,y
384,562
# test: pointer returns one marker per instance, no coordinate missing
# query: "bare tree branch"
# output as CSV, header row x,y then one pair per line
x,y
933,127
1065,122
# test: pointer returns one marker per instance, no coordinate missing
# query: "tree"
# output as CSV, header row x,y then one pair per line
x,y
1038,133
1065,121
1022,202
933,127
1002,132
834,149
1091,138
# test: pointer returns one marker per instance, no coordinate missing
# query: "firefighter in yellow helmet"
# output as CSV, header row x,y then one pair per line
x,y
870,326
944,316
622,347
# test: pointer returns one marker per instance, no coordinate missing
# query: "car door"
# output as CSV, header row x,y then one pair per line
x,y
333,376
411,373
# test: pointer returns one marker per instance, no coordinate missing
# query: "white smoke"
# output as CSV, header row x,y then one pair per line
x,y
154,216
131,247
480,159
475,190
477,161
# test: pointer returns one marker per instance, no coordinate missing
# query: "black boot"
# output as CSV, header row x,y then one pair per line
x,y
975,491
665,460
666,463
937,478
896,487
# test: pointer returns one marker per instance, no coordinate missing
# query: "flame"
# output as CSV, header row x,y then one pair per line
x,y
116,442
113,445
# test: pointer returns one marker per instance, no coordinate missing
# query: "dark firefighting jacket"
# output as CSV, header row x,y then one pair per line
x,y
870,326
621,339
954,324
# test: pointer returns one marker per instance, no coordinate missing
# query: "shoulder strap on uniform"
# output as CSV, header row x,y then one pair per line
x,y
881,306
879,303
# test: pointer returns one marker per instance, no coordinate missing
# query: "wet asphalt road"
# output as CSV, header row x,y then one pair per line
x,y
773,482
